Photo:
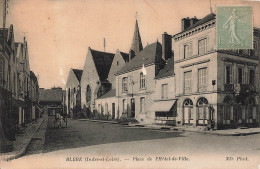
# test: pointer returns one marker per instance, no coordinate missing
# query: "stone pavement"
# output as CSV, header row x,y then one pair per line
x,y
226,132
35,130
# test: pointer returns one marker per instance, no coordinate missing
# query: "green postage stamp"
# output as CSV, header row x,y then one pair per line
x,y
234,27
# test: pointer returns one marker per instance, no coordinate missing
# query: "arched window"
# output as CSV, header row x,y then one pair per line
x,y
88,94
202,111
188,116
188,102
202,101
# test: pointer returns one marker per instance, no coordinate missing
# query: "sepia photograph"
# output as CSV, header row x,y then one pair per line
x,y
125,84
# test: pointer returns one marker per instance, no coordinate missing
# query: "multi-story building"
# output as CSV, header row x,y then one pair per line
x,y
73,92
214,88
164,107
7,116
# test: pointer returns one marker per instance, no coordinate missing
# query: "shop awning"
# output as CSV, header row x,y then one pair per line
x,y
162,106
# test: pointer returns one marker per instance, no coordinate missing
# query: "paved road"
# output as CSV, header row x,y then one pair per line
x,y
86,133
87,140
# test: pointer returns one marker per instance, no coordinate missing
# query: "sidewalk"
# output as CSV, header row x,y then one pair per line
x,y
22,141
226,132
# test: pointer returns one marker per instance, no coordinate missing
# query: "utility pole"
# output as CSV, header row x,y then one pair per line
x,y
104,44
4,22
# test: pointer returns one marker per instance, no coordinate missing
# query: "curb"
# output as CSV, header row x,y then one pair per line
x,y
24,149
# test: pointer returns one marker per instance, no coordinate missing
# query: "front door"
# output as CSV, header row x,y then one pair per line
x,y
113,110
133,107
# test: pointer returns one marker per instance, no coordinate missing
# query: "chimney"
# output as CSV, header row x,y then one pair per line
x,y
166,46
185,23
193,20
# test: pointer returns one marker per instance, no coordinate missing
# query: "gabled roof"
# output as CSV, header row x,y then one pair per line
x,y
125,56
207,18
168,69
111,93
50,95
102,61
78,73
147,56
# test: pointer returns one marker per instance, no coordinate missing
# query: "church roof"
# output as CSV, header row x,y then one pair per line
x,y
137,42
103,62
78,73
168,69
147,56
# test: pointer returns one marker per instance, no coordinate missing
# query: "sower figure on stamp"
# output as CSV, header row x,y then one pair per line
x,y
231,24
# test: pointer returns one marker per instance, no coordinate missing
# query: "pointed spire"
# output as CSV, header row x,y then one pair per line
x,y
136,43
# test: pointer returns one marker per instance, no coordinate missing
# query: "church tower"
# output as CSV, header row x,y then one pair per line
x,y
136,43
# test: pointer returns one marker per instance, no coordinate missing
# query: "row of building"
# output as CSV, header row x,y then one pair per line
x,y
19,88
184,80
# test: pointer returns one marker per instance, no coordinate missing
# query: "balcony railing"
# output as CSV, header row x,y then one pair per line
x,y
239,88
202,88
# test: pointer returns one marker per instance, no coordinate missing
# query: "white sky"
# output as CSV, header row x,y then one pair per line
x,y
59,32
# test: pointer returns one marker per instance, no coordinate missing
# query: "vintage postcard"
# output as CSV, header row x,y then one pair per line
x,y
92,84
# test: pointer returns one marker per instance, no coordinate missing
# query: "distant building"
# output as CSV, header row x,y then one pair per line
x,y
51,100
73,90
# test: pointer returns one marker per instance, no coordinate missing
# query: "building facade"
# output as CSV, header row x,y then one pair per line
x,y
73,91
94,81
214,88
164,106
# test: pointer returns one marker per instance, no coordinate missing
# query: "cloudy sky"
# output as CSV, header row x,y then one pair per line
x,y
59,32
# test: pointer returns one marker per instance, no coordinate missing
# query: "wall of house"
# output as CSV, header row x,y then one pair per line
x,y
72,85
117,64
134,88
109,101
89,77
178,46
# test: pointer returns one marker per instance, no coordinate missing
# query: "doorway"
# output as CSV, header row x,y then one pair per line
x,y
113,111
133,107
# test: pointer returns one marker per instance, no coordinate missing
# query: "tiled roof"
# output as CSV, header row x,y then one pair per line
x,y
111,93
78,73
125,56
103,62
50,95
207,18
168,69
147,56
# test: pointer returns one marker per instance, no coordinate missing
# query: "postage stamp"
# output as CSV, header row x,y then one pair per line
x,y
234,27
